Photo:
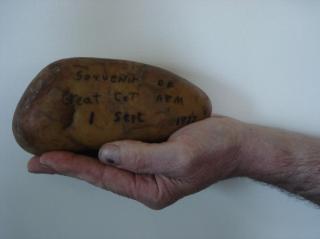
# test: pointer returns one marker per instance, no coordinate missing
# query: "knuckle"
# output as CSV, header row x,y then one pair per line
x,y
133,157
137,163
185,158
163,198
154,199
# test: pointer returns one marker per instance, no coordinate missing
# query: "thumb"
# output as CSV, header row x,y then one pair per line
x,y
135,156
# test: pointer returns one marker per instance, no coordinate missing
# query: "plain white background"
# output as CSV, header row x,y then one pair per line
x,y
259,61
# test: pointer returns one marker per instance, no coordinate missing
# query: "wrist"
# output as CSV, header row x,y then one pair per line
x,y
239,151
255,150
264,151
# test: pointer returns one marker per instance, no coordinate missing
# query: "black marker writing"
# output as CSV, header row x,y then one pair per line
x,y
125,97
128,117
91,118
169,99
82,75
167,84
69,98
183,120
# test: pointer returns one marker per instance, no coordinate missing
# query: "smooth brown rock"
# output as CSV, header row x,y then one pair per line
x,y
78,104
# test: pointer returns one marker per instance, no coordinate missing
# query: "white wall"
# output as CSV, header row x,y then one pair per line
x,y
258,60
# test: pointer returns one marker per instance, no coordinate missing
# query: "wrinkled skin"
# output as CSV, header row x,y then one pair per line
x,y
195,157
156,174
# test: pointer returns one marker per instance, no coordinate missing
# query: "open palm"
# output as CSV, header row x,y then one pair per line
x,y
156,174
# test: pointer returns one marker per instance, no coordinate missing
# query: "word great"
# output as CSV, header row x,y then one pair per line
x,y
69,98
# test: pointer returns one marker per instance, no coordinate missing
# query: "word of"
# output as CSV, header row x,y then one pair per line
x,y
125,97
69,98
183,120
115,78
169,99
164,83
128,117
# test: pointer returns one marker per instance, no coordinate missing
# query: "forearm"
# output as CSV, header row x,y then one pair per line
x,y
285,159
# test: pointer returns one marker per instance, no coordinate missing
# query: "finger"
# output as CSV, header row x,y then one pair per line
x,y
90,170
74,165
135,156
151,190
34,166
146,189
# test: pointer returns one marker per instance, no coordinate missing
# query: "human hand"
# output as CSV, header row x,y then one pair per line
x,y
157,174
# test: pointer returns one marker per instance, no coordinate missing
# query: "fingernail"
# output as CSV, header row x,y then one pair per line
x,y
31,165
45,166
110,154
44,161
